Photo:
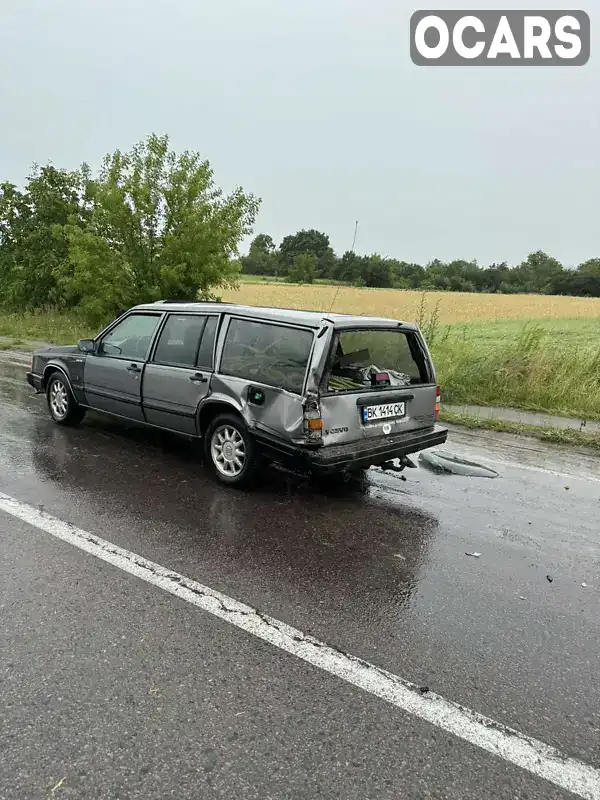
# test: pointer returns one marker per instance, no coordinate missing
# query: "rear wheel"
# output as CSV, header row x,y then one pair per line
x,y
62,405
231,451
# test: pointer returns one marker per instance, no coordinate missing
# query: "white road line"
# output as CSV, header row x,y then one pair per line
x,y
532,755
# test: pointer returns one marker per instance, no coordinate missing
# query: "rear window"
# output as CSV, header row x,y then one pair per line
x,y
375,359
271,354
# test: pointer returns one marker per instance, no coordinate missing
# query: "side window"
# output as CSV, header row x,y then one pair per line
x,y
207,345
179,340
265,353
130,338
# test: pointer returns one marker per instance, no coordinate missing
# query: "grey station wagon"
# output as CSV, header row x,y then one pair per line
x,y
315,392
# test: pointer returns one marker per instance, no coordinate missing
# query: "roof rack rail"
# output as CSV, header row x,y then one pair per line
x,y
198,302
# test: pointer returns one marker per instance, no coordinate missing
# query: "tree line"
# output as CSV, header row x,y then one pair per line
x,y
152,224
307,256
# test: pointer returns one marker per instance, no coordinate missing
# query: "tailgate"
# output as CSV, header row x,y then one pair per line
x,y
378,382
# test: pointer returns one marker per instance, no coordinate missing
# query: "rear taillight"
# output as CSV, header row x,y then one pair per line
x,y
437,403
313,423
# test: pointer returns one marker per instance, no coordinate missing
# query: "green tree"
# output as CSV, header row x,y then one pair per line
x,y
349,268
590,268
33,242
312,242
158,228
262,257
407,275
377,272
536,273
303,269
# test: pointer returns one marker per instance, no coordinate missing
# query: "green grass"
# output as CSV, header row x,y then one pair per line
x,y
48,326
555,435
550,365
12,344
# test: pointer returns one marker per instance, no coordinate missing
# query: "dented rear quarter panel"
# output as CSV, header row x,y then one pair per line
x,y
280,415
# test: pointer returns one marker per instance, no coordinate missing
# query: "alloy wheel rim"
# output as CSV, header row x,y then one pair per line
x,y
228,450
58,399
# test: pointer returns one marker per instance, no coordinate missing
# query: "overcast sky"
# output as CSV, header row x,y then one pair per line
x,y
315,106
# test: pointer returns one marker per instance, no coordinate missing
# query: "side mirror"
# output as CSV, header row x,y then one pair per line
x,y
86,345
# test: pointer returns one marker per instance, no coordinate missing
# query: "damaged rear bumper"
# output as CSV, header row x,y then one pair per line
x,y
355,455
370,452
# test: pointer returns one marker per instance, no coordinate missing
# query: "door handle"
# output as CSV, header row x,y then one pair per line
x,y
198,378
133,368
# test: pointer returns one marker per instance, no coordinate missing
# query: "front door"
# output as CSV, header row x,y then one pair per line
x,y
113,374
178,375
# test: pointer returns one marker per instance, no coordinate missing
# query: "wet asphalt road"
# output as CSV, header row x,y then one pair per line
x,y
126,692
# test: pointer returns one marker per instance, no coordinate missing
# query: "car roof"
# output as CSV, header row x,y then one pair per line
x,y
309,319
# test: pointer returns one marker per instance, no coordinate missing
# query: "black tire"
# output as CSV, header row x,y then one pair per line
x,y
59,396
231,434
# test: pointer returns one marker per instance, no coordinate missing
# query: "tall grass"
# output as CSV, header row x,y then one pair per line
x,y
529,369
47,326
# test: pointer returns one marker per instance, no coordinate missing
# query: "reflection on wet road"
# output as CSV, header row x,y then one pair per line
x,y
377,568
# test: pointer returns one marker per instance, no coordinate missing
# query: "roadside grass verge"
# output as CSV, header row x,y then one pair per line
x,y
44,326
11,344
555,435
549,366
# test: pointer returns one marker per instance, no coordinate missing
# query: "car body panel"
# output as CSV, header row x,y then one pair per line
x,y
66,359
112,385
342,419
172,395
280,414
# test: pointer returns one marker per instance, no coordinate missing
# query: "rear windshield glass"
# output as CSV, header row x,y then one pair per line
x,y
375,359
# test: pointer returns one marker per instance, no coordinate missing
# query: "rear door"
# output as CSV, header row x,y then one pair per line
x,y
113,374
179,372
379,381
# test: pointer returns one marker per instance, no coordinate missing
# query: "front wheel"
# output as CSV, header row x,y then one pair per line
x,y
231,451
62,405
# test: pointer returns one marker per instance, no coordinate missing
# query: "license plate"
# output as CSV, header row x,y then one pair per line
x,y
389,411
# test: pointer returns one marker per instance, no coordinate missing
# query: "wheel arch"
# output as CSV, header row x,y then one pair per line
x,y
211,409
50,369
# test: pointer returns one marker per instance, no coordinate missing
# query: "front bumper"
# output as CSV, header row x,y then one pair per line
x,y
35,381
370,452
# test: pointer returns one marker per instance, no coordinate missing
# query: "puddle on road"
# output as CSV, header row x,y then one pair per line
x,y
445,462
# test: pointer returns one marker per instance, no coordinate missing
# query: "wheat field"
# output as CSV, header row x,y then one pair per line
x,y
454,307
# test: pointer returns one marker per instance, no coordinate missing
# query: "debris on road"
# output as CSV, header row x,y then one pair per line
x,y
58,785
442,461
549,579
